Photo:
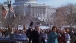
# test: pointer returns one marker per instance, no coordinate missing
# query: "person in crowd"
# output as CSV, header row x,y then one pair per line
x,y
45,36
5,33
37,35
13,30
62,38
29,31
16,30
24,29
53,37
48,32
9,29
67,36
71,33
0,33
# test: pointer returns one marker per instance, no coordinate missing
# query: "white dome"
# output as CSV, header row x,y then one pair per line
x,y
25,1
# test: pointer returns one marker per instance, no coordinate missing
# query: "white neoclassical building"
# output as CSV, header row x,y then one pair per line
x,y
40,11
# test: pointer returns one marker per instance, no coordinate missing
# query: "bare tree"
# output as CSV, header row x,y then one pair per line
x,y
71,14
66,15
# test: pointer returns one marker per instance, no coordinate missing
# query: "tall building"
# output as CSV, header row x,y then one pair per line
x,y
41,11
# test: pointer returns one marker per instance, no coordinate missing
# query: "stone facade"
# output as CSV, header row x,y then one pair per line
x,y
40,11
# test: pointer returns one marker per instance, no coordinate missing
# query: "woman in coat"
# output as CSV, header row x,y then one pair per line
x,y
62,38
53,37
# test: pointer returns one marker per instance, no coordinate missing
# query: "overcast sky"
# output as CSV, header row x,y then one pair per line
x,y
54,3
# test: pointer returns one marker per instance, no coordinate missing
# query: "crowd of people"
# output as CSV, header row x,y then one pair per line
x,y
35,35
55,35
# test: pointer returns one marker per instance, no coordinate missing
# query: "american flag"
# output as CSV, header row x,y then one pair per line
x,y
12,10
4,12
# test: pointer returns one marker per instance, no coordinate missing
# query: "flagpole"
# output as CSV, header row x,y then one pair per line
x,y
2,16
9,21
2,21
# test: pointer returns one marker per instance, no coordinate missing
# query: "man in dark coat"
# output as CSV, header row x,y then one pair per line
x,y
37,36
29,31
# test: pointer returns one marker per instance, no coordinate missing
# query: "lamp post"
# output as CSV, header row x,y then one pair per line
x,y
9,5
9,20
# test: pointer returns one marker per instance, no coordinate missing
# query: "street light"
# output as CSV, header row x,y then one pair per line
x,y
9,3
9,20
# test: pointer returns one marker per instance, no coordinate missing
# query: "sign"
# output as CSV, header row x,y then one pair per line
x,y
20,27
